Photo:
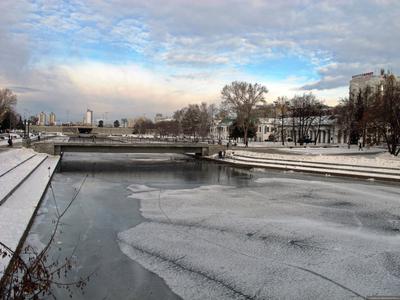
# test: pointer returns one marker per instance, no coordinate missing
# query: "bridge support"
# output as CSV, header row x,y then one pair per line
x,y
48,148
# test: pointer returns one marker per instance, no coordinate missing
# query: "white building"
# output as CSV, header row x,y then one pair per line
x,y
42,119
131,123
220,129
325,131
266,129
361,81
52,119
89,117
159,117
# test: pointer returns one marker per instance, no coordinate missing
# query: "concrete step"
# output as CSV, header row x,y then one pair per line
x,y
12,157
331,166
337,165
320,170
16,166
17,175
18,212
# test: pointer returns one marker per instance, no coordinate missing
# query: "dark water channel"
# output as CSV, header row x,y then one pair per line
x,y
103,209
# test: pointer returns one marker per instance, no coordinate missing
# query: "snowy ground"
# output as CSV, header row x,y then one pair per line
x,y
15,141
281,238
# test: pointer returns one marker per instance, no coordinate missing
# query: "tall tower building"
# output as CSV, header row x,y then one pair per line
x,y
42,119
52,119
89,117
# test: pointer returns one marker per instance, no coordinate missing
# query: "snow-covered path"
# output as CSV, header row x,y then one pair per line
x,y
17,174
281,238
12,158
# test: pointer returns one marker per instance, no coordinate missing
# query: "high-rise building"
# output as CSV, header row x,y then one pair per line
x,y
89,117
131,123
124,123
361,81
42,119
52,119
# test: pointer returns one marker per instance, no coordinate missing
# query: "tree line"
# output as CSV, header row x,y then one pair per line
x,y
370,115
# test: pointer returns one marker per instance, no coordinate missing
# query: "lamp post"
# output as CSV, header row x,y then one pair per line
x,y
26,141
29,122
25,128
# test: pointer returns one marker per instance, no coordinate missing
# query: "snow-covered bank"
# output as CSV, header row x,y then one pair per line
x,y
378,160
379,167
278,238
17,211
342,150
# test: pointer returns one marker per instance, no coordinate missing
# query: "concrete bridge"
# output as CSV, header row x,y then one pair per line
x,y
57,148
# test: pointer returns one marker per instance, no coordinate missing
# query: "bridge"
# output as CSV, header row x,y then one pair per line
x,y
57,148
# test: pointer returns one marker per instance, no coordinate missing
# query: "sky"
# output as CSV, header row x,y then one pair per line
x,y
128,58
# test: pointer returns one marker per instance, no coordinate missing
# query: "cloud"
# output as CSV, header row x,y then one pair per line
x,y
140,56
24,89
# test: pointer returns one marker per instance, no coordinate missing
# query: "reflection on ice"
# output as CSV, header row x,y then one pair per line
x,y
280,238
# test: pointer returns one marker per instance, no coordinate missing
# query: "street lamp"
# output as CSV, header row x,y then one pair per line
x,y
25,128
26,141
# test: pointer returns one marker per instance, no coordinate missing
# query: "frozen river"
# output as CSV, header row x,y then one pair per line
x,y
164,227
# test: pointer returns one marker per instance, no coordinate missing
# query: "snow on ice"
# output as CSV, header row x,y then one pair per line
x,y
278,238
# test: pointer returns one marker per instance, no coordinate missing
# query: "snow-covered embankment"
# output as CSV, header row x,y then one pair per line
x,y
24,176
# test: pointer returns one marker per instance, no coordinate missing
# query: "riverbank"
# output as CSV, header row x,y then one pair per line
x,y
377,166
24,177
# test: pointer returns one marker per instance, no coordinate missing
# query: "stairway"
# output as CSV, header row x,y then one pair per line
x,y
382,173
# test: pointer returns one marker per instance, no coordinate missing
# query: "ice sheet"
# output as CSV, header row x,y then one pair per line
x,y
279,238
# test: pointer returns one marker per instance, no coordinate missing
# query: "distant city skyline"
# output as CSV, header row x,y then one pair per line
x,y
133,58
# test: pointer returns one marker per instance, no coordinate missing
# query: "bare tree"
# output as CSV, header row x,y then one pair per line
x,y
178,116
191,120
143,125
205,119
386,113
345,115
362,115
304,110
282,109
167,127
321,110
241,98
8,100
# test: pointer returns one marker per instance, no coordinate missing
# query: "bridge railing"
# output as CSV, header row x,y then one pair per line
x,y
136,140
